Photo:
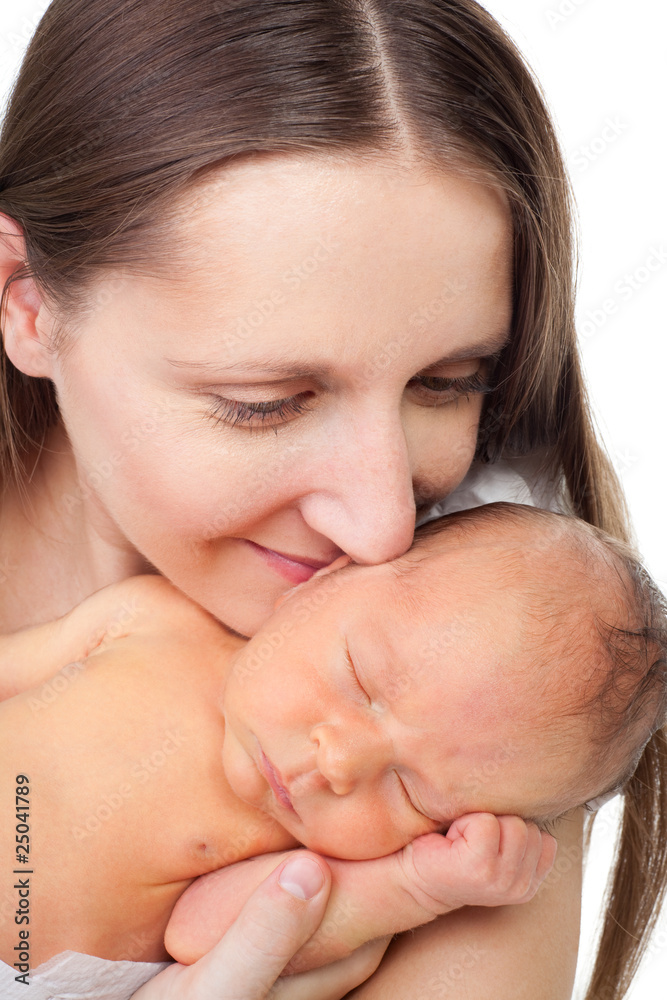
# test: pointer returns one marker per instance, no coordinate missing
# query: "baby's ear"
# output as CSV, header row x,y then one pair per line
x,y
338,563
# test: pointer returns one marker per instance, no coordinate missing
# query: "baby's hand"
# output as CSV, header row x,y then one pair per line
x,y
484,860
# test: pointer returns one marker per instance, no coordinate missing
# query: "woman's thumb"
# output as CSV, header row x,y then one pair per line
x,y
280,916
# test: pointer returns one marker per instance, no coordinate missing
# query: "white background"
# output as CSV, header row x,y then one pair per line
x,y
601,64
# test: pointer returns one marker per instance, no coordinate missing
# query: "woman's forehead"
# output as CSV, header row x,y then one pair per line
x,y
306,265
274,214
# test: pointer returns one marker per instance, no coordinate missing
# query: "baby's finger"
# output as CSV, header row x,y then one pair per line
x,y
537,862
516,839
547,856
480,831
540,850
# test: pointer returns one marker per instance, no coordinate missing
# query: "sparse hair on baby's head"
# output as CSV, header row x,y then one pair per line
x,y
618,630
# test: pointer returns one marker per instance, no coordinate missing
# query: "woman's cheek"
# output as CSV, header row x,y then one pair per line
x,y
206,492
446,448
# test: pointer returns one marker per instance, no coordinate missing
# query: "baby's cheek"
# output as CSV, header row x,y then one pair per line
x,y
361,834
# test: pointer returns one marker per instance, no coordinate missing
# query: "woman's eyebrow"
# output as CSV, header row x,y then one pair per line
x,y
285,369
296,369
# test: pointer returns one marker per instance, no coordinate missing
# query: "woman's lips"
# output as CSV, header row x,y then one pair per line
x,y
296,570
273,779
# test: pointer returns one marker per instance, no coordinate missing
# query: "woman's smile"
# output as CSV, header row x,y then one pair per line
x,y
292,568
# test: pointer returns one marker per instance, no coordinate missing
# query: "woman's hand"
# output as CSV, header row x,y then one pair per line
x,y
483,860
280,916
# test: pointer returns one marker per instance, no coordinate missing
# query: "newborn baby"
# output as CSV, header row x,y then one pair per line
x,y
475,675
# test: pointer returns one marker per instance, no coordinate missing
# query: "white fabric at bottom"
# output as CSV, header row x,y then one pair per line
x,y
72,976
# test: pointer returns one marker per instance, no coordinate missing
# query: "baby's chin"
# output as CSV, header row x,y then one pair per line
x,y
351,850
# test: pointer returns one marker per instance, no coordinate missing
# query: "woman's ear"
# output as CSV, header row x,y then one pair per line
x,y
27,322
331,568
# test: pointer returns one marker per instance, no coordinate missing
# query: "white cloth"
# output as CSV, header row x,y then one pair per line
x,y
518,480
72,976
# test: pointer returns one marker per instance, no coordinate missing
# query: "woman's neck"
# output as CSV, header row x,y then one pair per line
x,y
56,546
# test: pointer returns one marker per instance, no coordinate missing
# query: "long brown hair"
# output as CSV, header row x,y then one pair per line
x,y
120,105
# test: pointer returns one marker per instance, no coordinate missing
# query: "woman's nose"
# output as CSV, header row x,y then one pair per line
x,y
361,494
349,754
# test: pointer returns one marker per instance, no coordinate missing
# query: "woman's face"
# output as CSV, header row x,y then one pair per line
x,y
309,373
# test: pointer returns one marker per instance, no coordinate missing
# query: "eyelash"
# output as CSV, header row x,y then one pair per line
x,y
350,667
236,413
548,826
469,385
407,797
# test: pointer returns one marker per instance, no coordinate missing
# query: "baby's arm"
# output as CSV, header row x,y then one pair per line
x,y
35,655
487,861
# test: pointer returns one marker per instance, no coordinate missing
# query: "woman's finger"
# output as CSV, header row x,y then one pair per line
x,y
279,917
332,982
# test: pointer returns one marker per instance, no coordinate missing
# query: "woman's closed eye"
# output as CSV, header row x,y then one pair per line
x,y
429,390
437,391
276,411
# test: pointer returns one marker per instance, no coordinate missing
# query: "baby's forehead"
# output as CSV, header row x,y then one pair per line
x,y
458,556
529,550
530,589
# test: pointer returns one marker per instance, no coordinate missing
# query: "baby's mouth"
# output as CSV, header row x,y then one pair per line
x,y
274,781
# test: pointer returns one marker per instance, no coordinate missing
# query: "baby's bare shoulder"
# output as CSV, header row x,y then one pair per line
x,y
145,604
138,607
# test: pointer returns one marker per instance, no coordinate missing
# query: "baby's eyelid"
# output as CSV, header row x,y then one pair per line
x,y
407,795
351,667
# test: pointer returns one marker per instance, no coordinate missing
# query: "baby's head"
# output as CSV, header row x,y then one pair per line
x,y
511,662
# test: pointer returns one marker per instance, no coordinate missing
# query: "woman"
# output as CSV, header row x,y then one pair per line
x,y
276,275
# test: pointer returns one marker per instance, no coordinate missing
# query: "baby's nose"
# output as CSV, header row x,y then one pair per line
x,y
346,757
